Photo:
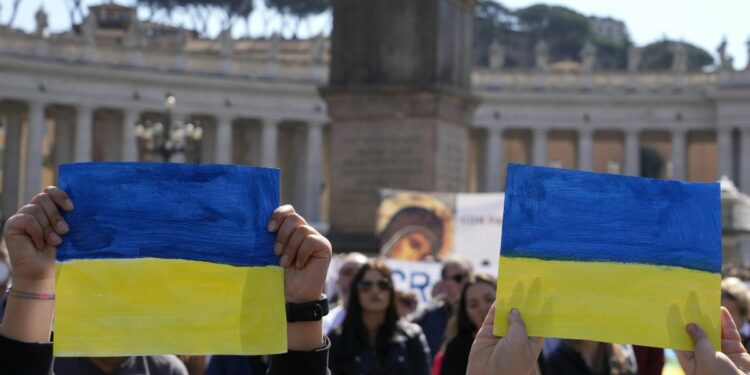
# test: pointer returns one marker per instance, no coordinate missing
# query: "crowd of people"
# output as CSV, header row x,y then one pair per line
x,y
372,329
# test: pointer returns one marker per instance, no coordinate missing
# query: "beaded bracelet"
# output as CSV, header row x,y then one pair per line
x,y
29,295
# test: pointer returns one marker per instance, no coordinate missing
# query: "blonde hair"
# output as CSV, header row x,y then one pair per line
x,y
736,290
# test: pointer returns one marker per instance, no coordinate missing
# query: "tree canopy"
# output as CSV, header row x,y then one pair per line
x,y
565,31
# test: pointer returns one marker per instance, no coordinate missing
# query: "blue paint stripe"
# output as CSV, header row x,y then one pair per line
x,y
212,213
561,214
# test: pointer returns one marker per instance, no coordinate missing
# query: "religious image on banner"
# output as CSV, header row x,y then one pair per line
x,y
415,226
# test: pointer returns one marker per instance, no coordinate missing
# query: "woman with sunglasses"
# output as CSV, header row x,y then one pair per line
x,y
477,296
373,340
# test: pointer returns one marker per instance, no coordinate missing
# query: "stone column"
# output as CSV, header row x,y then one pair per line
x,y
539,148
35,136
585,150
129,143
83,140
62,150
11,163
724,148
632,153
223,140
270,143
745,160
313,171
679,155
493,160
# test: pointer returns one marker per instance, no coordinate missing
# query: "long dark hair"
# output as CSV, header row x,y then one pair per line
x,y
461,324
353,331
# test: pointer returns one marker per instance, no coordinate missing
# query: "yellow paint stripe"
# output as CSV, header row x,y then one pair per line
x,y
167,306
610,302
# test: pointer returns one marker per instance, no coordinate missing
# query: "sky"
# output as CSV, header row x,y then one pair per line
x,y
700,22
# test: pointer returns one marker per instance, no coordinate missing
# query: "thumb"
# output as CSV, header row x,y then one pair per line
x,y
703,345
516,326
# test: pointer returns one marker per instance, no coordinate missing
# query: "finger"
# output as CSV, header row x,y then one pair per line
x,y
685,358
53,214
286,229
728,328
60,197
311,245
516,326
278,215
31,227
730,347
703,345
292,247
48,234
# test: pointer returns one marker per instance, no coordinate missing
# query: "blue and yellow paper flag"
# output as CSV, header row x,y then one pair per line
x,y
169,258
610,258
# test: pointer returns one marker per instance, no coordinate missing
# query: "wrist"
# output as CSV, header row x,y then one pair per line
x,y
305,336
34,285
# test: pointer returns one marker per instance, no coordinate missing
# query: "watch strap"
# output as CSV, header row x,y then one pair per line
x,y
308,311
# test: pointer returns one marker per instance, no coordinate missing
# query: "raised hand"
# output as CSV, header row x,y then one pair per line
x,y
733,358
516,353
32,236
305,255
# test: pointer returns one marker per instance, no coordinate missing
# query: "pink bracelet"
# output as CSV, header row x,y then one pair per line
x,y
29,295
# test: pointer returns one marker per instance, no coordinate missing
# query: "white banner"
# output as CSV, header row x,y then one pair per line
x,y
478,229
417,276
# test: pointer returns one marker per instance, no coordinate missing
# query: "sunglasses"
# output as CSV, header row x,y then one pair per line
x,y
459,277
365,285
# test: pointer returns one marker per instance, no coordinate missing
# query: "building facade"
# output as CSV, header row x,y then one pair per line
x,y
78,96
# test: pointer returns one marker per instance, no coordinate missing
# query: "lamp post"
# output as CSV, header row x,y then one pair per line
x,y
170,138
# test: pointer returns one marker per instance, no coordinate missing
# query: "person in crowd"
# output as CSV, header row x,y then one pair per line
x,y
237,364
583,357
735,297
152,364
406,303
351,263
373,340
434,318
477,297
32,236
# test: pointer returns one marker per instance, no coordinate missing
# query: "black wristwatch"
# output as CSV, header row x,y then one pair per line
x,y
308,311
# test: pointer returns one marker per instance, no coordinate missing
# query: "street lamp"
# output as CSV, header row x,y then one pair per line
x,y
170,139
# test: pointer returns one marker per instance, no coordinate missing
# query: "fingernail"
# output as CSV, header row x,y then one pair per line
x,y
277,249
54,238
515,313
284,260
691,328
68,205
272,226
62,227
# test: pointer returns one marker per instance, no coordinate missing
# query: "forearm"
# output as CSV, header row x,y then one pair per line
x,y
305,336
29,320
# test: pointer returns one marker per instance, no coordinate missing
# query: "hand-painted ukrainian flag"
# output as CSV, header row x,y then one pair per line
x,y
169,258
610,258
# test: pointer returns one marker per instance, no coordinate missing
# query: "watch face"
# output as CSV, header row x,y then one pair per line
x,y
4,273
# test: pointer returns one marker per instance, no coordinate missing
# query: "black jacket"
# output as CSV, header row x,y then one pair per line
x,y
36,359
408,354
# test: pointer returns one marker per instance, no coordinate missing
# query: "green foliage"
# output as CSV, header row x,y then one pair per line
x,y
564,30
658,56
492,21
